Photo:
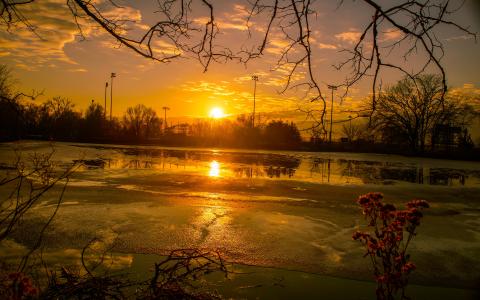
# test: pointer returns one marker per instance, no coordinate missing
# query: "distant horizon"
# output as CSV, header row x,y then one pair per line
x,y
291,115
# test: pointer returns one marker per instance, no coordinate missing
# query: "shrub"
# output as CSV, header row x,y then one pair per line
x,y
392,231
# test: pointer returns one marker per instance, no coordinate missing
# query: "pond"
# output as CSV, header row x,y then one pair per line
x,y
287,217
332,168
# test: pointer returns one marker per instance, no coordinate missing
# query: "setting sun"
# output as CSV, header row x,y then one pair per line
x,y
216,113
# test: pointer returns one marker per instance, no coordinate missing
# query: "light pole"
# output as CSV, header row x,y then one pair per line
x,y
350,128
112,75
165,108
333,88
105,105
255,79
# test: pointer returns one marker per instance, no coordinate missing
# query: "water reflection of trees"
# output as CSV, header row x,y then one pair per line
x,y
248,172
252,164
264,171
321,166
279,172
273,165
387,172
268,159
443,176
108,163
138,164
92,163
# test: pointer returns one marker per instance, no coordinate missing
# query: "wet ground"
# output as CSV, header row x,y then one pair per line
x,y
267,211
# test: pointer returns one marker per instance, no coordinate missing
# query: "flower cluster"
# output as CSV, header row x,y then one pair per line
x,y
386,244
16,286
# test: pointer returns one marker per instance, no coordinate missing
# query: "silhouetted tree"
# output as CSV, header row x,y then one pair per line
x,y
281,134
409,110
94,122
58,118
6,109
10,106
6,81
31,119
352,131
141,122
244,134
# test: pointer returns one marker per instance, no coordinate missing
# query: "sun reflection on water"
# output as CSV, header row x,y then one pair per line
x,y
214,169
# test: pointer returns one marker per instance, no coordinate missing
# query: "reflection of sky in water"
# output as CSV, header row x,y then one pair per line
x,y
318,168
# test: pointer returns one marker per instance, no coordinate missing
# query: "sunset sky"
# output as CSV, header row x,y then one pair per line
x,y
59,62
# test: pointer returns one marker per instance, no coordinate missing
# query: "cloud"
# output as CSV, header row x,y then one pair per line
x,y
28,49
122,13
275,78
327,46
459,38
165,48
467,94
223,23
54,27
240,99
278,46
236,19
391,34
232,25
208,87
80,70
350,36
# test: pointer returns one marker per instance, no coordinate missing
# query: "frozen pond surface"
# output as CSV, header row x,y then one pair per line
x,y
331,168
287,210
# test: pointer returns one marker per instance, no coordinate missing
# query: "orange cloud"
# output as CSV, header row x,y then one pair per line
x,y
391,34
351,36
327,46
54,28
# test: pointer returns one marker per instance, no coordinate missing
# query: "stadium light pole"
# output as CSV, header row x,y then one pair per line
x,y
333,88
112,75
165,108
255,79
105,100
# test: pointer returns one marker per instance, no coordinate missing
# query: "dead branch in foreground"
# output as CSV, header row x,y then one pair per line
x,y
178,276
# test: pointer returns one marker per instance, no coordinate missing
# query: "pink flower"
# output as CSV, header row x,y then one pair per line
x,y
408,267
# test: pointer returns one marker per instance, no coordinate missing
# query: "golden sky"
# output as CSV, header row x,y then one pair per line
x,y
58,61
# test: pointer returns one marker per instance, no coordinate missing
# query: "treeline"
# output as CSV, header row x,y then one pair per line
x,y
57,119
410,117
274,134
413,116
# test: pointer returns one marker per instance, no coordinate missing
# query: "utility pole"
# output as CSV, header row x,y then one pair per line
x,y
112,75
165,108
105,105
333,88
255,79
